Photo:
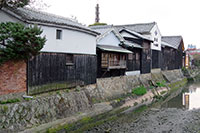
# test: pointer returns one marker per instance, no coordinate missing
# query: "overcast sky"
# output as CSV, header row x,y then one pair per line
x,y
174,17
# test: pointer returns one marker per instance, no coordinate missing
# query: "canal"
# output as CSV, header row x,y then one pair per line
x,y
181,114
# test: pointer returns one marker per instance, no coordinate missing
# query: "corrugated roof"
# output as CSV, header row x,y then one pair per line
x,y
27,14
174,41
113,49
139,28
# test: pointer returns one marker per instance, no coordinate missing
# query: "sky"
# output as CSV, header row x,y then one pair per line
x,y
174,17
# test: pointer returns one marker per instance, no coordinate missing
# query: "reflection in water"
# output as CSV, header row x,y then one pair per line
x,y
189,99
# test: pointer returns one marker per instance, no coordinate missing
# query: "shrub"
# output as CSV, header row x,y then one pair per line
x,y
19,42
10,101
139,91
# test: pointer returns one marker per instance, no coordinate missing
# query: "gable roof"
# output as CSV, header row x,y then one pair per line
x,y
136,34
139,28
37,17
108,31
173,41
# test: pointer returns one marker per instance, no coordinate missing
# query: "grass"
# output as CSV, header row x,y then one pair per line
x,y
10,101
139,91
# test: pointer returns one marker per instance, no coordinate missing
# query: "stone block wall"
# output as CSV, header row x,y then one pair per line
x,y
12,77
18,116
111,88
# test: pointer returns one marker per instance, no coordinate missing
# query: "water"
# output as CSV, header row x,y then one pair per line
x,y
189,98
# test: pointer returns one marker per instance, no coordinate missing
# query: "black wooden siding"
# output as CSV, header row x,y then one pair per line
x,y
51,71
146,58
134,64
172,58
156,59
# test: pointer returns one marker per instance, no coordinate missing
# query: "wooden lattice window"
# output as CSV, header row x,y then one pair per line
x,y
70,59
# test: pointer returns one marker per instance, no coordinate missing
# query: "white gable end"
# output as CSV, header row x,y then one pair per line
x,y
109,39
156,37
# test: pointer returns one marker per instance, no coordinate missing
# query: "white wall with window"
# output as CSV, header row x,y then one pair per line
x,y
68,41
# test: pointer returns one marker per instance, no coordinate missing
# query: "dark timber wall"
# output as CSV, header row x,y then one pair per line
x,y
51,71
146,58
172,58
156,59
134,63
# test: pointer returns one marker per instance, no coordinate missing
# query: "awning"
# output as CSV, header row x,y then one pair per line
x,y
113,49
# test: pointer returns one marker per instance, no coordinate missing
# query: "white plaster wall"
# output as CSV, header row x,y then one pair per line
x,y
109,39
72,41
158,36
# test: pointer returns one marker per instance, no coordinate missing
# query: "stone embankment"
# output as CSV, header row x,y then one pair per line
x,y
50,107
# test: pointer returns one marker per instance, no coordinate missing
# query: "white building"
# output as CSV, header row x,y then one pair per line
x,y
69,56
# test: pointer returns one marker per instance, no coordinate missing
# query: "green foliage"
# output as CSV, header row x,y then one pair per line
x,y
163,92
96,24
196,60
161,84
139,91
136,103
14,3
18,42
10,101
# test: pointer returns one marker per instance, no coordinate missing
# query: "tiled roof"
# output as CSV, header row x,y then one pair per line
x,y
136,34
174,41
31,15
113,49
106,32
139,28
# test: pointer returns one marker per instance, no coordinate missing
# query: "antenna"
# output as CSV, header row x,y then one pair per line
x,y
97,19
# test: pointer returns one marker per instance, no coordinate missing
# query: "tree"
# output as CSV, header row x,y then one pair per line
x,y
22,3
18,42
97,24
13,3
196,60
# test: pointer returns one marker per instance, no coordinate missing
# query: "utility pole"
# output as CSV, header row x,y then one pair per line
x,y
97,19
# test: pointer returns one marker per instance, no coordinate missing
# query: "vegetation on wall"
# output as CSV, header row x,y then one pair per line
x,y
139,91
19,42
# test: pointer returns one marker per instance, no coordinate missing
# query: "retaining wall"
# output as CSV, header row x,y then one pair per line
x,y
111,88
50,107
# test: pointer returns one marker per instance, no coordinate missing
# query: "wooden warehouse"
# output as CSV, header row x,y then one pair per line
x,y
172,52
111,57
140,60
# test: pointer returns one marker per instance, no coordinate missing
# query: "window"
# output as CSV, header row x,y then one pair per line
x,y
156,39
156,33
69,60
59,34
